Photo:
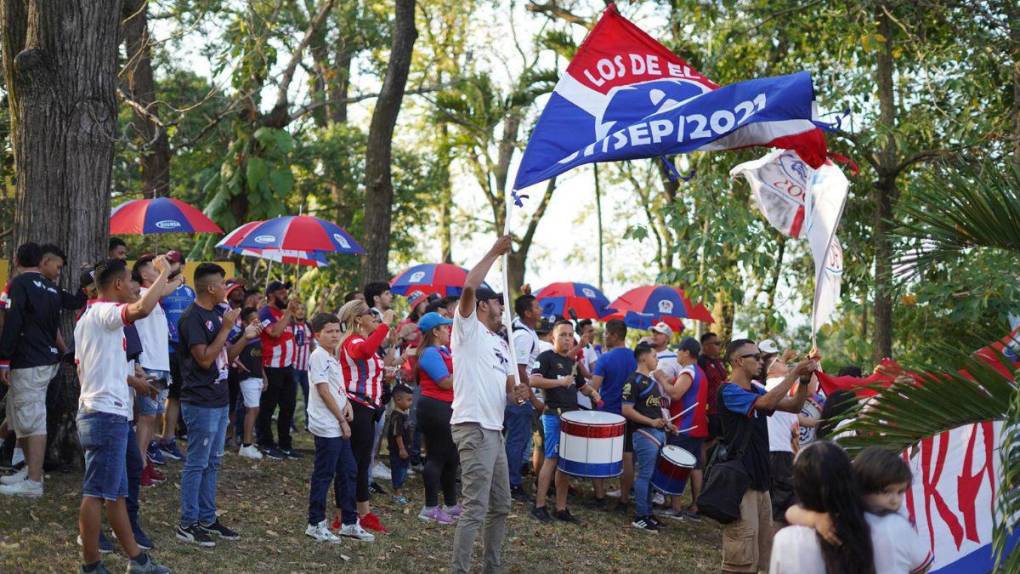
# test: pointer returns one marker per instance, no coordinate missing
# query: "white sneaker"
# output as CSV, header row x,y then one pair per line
x,y
613,493
381,472
658,499
18,456
251,452
27,488
357,532
16,477
321,533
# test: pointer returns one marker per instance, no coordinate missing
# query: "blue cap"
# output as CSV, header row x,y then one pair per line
x,y
432,320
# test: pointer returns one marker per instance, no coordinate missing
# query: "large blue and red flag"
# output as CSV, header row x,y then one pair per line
x,y
626,96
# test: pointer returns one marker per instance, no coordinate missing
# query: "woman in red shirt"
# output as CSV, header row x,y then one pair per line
x,y
361,367
435,375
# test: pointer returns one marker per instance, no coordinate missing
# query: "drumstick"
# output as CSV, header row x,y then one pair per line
x,y
682,413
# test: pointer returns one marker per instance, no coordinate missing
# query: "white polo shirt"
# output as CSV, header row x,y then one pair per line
x,y
100,350
481,365
323,368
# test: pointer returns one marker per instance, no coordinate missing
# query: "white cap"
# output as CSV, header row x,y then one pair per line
x,y
662,328
769,347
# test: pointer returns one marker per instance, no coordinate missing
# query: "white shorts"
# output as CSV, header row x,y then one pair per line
x,y
26,399
251,392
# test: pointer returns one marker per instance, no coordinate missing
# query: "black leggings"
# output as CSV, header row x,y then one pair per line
x,y
362,441
441,465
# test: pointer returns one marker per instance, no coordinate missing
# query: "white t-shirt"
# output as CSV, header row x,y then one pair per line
x,y
527,345
154,334
481,365
897,548
323,368
781,424
100,349
668,364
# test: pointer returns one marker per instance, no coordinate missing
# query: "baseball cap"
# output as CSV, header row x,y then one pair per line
x,y
486,294
275,286
662,328
769,347
232,285
432,320
415,297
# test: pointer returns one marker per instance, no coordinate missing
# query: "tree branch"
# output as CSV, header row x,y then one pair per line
x,y
554,10
295,57
362,97
529,235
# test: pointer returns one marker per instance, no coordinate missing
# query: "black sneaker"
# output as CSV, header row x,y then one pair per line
x,y
519,494
273,453
195,535
541,514
565,516
218,529
375,488
292,454
651,518
644,524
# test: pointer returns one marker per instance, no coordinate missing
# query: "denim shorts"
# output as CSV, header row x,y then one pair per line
x,y
148,406
104,438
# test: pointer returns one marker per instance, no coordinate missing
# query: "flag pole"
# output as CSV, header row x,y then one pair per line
x,y
507,318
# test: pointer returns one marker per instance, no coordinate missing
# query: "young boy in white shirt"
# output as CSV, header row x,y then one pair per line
x,y
105,406
329,413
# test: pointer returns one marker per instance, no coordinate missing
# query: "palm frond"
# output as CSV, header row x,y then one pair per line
x,y
1007,506
955,207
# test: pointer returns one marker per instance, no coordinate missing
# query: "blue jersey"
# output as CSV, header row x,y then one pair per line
x,y
614,367
174,305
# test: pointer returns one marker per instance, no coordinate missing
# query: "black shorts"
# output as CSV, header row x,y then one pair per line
x,y
715,429
628,438
174,388
781,484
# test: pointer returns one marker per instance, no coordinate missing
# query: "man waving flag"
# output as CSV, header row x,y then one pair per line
x,y
625,96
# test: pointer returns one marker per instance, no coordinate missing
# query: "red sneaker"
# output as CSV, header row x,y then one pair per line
x,y
371,522
147,479
336,524
155,473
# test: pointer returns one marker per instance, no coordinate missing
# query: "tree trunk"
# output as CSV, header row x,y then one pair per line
x,y
141,87
443,161
884,193
378,178
598,216
60,67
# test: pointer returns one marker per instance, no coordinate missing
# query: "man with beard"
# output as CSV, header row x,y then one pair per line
x,y
278,363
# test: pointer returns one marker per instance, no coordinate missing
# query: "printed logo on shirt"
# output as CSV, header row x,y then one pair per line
x,y
209,325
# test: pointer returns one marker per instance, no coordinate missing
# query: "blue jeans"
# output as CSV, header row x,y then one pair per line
x,y
398,470
334,462
517,424
207,427
104,439
646,452
134,475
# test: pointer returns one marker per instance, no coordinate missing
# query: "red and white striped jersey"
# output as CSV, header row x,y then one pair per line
x,y
303,345
362,368
277,352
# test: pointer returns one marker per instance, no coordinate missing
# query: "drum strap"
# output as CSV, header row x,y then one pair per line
x,y
650,437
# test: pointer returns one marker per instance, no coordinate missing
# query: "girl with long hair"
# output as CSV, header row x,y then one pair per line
x,y
434,373
362,370
823,480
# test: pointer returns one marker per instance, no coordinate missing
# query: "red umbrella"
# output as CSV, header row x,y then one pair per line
x,y
645,306
159,215
442,278
233,240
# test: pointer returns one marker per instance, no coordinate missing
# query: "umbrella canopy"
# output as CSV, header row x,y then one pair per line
x,y
298,233
585,300
159,215
307,258
643,307
442,278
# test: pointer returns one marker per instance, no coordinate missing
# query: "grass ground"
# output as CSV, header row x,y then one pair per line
x,y
267,502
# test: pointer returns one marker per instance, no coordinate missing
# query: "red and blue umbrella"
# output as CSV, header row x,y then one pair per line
x,y
307,258
444,279
159,215
299,233
643,307
586,301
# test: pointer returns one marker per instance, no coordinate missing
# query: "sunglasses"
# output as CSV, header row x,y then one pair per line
x,y
755,356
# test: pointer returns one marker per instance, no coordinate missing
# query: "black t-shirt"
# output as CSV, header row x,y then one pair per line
x,y
250,358
32,320
133,342
399,424
553,365
201,387
642,392
739,417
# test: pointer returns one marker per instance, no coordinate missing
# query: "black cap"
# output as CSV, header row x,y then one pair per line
x,y
275,286
87,277
485,294
545,325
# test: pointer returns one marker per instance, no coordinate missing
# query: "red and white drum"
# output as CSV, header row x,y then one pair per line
x,y
591,444
672,469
